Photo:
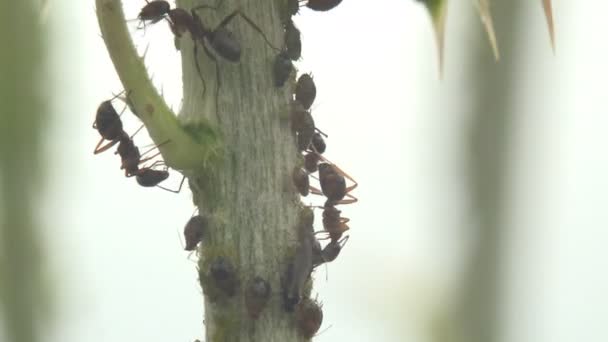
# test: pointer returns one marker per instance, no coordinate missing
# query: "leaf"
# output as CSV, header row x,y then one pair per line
x,y
549,14
437,9
483,6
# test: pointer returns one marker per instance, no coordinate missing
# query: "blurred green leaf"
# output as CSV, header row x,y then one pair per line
x,y
483,6
437,9
549,14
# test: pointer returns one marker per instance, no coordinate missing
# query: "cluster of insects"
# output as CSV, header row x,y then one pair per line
x,y
220,44
217,41
109,125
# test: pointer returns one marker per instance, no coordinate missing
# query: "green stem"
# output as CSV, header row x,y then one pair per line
x,y
190,147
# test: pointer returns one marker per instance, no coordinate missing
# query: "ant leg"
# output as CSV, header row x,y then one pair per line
x,y
198,67
157,146
139,129
178,189
105,147
257,28
315,191
352,199
321,132
231,16
217,77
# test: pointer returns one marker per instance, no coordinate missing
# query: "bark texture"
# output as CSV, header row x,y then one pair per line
x,y
249,197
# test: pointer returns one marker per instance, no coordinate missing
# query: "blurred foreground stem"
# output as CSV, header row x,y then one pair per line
x,y
23,305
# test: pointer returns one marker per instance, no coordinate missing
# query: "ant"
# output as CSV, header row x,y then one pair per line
x,y
220,39
108,124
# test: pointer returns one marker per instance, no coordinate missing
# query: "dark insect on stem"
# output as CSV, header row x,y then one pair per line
x,y
301,181
321,5
333,184
311,161
281,69
332,250
306,91
257,295
108,124
223,275
129,154
220,39
334,224
309,317
149,177
194,231
154,11
318,143
181,21
293,42
293,6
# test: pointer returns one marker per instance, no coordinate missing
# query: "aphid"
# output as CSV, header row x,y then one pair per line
x,y
301,181
108,124
333,223
257,295
297,274
306,91
303,125
154,11
333,184
311,161
293,41
293,6
194,231
318,143
321,5
309,317
224,275
281,69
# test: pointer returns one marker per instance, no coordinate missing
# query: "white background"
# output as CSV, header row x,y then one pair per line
x,y
115,251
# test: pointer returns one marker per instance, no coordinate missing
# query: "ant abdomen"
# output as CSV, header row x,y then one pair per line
x,y
322,5
148,178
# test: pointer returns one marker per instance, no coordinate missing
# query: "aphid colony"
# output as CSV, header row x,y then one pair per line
x,y
309,140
